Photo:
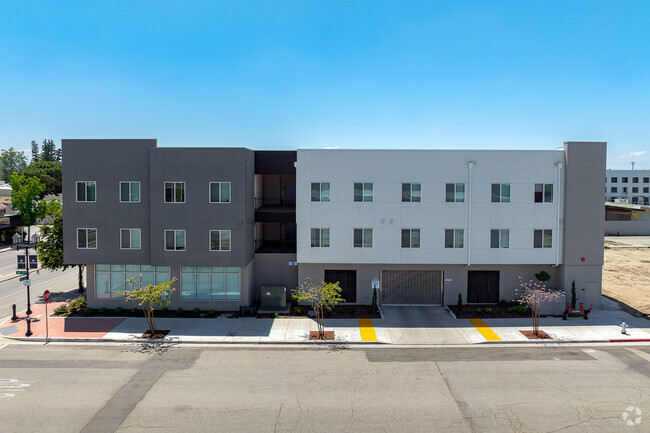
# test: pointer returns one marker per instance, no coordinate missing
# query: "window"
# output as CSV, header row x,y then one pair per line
x,y
635,189
624,180
543,193
635,200
110,279
205,283
646,180
174,240
543,239
363,238
411,192
625,190
130,239
86,190
363,192
500,238
454,238
174,192
320,191
500,193
410,238
320,238
615,180
219,240
87,239
614,189
129,192
455,192
219,192
635,180
646,190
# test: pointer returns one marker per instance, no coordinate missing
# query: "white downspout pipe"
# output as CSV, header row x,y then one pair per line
x,y
470,164
559,203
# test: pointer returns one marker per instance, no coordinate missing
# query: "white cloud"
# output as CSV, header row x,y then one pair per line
x,y
332,147
626,156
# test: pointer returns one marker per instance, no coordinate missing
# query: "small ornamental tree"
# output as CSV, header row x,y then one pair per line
x,y
321,296
148,297
533,294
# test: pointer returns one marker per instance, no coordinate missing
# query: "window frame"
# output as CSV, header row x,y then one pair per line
x,y
456,192
139,191
614,179
455,238
85,191
614,189
500,238
625,179
320,192
219,183
174,182
87,247
320,237
411,233
364,233
130,229
220,250
174,230
410,192
635,180
501,195
543,233
544,192
364,192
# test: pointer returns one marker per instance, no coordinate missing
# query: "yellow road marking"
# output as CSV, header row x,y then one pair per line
x,y
367,330
485,330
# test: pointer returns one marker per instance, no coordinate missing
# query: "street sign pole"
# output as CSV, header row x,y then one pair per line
x,y
46,299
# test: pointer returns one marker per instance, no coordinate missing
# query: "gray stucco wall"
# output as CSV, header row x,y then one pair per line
x,y
274,269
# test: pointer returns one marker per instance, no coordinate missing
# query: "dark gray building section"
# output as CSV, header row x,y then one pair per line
x,y
107,162
197,167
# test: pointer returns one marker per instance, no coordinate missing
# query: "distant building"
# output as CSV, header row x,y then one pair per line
x,y
624,219
628,186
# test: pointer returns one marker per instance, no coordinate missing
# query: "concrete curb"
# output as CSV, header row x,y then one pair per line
x,y
142,341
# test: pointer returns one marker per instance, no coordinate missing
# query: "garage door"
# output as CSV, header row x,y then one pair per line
x,y
411,287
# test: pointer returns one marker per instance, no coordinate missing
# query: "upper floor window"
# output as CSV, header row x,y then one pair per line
x,y
635,189
500,193
320,238
174,192
86,190
624,180
635,180
87,238
219,240
219,192
129,192
411,192
410,238
646,189
363,192
320,191
646,180
363,238
455,192
615,180
614,189
500,238
454,238
543,193
174,240
625,190
543,239
130,239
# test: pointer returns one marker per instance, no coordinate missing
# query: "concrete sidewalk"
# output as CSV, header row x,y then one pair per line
x,y
400,325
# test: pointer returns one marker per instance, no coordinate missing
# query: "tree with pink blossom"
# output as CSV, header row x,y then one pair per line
x,y
533,294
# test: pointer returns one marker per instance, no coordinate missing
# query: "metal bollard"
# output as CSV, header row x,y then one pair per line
x,y
13,316
29,328
623,328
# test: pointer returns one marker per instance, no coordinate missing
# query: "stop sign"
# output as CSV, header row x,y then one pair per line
x,y
46,296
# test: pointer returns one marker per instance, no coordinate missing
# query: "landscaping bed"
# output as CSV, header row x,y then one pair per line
x,y
503,310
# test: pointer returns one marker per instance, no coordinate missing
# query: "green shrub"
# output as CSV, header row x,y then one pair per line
x,y
119,310
103,310
179,311
134,310
606,246
212,313
521,309
509,309
77,304
276,315
503,303
196,311
459,304
88,311
61,310
297,309
488,310
478,310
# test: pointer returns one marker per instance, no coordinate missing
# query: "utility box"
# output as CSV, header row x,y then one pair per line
x,y
274,298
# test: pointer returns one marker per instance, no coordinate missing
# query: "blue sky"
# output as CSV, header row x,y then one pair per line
x,y
314,74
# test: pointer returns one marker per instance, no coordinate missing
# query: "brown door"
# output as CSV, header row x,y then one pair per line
x,y
482,287
347,280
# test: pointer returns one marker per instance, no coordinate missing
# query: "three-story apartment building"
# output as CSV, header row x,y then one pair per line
x,y
424,226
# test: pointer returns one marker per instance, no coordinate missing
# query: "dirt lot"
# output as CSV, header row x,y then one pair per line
x,y
626,276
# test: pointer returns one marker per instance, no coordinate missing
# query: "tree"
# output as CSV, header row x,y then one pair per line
x,y
48,151
11,161
321,296
533,294
50,249
543,276
48,172
25,198
35,153
148,297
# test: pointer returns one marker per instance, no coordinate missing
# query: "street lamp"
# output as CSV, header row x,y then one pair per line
x,y
19,244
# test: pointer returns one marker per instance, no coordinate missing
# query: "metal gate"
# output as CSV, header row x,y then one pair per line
x,y
411,287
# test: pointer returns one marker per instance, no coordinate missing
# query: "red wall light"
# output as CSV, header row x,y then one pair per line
x,y
582,259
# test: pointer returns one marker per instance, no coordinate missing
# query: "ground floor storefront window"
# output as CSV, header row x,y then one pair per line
x,y
110,279
210,283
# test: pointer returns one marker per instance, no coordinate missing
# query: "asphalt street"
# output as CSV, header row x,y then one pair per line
x,y
14,292
135,388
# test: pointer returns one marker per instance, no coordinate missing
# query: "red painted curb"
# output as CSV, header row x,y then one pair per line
x,y
623,340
